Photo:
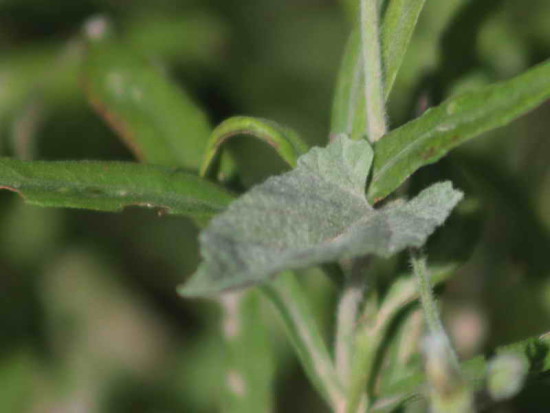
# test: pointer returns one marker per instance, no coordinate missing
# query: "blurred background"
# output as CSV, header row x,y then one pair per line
x,y
89,317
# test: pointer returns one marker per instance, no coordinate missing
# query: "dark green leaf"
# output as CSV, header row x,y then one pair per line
x,y
314,214
428,138
112,186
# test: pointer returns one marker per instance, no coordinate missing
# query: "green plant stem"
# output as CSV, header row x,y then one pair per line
x,y
286,294
346,319
366,344
429,305
372,61
373,330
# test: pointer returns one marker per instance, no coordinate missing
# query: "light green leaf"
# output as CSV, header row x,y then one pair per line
x,y
315,214
428,138
157,120
112,186
284,140
348,105
397,28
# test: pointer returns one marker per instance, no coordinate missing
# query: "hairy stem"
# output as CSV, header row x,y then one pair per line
x,y
413,387
372,332
346,319
429,305
372,61
288,298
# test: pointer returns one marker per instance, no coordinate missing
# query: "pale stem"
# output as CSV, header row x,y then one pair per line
x,y
429,305
372,61
346,319
286,295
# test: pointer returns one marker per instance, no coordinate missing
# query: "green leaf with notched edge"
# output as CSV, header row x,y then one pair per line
x,y
314,214
157,120
427,139
112,186
284,140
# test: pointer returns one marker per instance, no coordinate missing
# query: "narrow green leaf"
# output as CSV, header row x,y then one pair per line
x,y
157,120
314,214
284,140
397,28
112,186
428,138
348,105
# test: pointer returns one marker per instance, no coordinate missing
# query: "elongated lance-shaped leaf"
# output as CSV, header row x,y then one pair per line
x,y
314,214
348,109
348,105
284,140
112,186
157,120
428,138
397,28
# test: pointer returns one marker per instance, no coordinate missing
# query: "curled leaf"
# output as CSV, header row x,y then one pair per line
x,y
284,140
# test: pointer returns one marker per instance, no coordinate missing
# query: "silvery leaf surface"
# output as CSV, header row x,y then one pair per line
x,y
314,214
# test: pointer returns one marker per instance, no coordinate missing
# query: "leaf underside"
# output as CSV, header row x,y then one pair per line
x,y
314,214
112,186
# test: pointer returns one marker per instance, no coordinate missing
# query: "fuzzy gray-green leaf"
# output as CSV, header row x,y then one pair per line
x,y
314,214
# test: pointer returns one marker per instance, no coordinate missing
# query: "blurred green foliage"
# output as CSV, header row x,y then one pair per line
x,y
89,318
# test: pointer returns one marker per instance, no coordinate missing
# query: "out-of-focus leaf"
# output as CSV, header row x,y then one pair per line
x,y
185,37
17,373
112,186
428,138
159,122
284,140
249,365
314,214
